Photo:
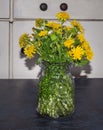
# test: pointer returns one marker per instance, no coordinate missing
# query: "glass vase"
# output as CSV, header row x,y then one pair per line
x,y
56,91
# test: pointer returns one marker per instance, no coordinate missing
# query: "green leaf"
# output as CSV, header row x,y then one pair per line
x,y
53,37
82,63
39,60
77,42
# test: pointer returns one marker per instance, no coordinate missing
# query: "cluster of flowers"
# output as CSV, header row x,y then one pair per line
x,y
55,41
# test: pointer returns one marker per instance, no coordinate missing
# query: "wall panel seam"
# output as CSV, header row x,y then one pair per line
x,y
11,39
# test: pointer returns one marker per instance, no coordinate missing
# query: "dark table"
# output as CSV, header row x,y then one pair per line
x,y
18,106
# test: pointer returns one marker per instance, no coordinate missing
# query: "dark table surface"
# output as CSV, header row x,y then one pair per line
x,y
18,106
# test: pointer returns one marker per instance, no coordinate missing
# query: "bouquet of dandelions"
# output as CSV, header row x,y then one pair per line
x,y
57,42
58,45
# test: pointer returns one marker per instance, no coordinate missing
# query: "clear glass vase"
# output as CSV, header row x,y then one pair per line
x,y
56,91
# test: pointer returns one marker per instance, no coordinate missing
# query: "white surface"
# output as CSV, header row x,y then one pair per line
x,y
4,45
4,8
78,9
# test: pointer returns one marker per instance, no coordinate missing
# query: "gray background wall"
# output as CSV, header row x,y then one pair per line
x,y
18,16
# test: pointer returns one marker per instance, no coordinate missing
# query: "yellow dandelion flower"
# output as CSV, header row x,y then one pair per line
x,y
39,22
75,23
29,51
88,51
58,31
89,54
85,45
68,28
49,24
62,16
43,33
23,40
68,42
54,25
76,53
81,37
